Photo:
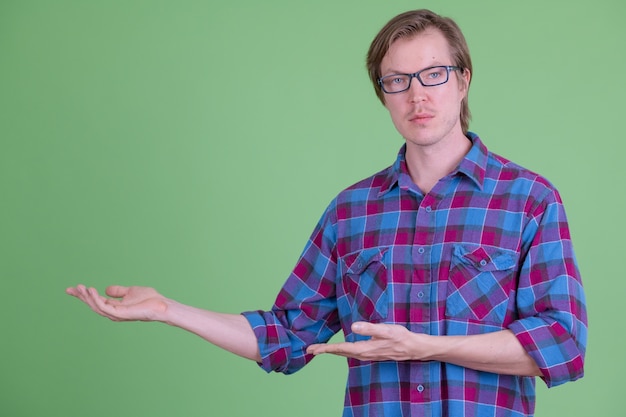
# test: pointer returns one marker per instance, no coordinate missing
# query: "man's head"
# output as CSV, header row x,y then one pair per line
x,y
408,25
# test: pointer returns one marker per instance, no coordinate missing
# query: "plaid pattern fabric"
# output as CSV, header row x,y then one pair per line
x,y
488,248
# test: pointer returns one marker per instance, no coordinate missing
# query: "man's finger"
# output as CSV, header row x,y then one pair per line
x,y
368,329
117,291
325,348
104,308
336,349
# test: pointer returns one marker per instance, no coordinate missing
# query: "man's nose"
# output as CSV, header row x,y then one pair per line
x,y
416,91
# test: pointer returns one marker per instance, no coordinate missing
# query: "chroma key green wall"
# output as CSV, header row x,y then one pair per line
x,y
193,145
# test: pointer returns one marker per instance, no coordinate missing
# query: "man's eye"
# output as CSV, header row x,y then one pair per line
x,y
435,73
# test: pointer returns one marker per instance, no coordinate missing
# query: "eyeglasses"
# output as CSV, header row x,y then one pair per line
x,y
428,77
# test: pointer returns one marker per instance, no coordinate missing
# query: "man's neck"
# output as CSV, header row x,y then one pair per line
x,y
428,164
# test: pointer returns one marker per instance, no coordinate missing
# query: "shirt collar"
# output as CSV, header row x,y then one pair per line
x,y
473,165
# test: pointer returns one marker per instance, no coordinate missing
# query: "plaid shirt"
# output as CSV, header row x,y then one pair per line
x,y
488,248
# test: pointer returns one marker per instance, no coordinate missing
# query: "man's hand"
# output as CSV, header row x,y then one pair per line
x,y
231,332
389,342
497,352
127,304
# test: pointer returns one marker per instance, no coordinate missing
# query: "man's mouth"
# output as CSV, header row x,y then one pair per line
x,y
421,117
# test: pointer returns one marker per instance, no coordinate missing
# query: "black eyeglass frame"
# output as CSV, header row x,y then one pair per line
x,y
417,75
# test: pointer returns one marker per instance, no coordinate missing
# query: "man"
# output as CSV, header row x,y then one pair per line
x,y
451,273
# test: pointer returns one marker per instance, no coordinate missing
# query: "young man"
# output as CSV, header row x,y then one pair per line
x,y
451,273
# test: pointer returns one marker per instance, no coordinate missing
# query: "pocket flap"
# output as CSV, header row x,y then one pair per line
x,y
486,258
357,262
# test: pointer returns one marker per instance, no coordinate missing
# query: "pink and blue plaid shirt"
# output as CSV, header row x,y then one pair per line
x,y
488,248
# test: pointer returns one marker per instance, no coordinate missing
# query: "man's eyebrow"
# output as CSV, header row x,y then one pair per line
x,y
392,71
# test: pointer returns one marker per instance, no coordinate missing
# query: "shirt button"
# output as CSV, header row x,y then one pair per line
x,y
420,294
420,250
483,262
428,209
420,388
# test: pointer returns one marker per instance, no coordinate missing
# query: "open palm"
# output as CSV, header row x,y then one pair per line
x,y
123,303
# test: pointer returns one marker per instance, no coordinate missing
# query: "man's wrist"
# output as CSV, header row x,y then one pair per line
x,y
169,312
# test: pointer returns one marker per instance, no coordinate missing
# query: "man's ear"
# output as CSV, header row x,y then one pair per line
x,y
466,77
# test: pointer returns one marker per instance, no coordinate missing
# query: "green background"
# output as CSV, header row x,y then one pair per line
x,y
193,145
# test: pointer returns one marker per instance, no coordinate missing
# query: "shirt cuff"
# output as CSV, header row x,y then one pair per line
x,y
553,349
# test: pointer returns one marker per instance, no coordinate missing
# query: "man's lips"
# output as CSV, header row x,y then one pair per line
x,y
421,117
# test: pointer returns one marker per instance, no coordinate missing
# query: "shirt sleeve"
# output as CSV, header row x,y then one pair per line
x,y
305,310
552,325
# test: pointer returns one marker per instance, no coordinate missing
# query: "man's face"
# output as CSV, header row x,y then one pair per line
x,y
425,116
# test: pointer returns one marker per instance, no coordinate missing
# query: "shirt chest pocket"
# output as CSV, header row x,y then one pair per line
x,y
364,284
481,283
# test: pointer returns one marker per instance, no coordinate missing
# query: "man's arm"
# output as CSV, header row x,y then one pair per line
x,y
498,352
231,332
